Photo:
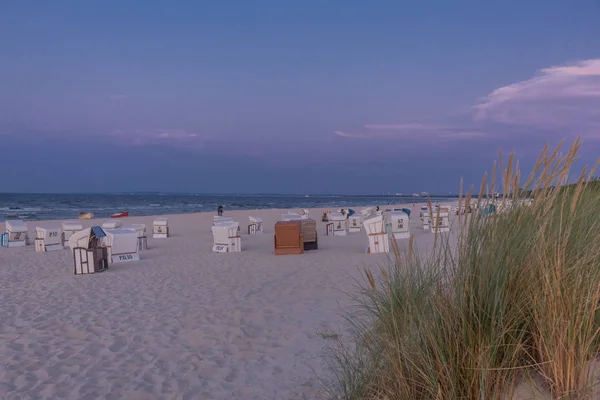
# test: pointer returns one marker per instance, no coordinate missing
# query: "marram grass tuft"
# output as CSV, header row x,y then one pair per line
x,y
514,299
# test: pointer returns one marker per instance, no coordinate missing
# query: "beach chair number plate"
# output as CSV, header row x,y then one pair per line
x,y
52,234
219,248
126,257
18,236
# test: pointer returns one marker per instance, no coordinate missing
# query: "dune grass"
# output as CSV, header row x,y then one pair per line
x,y
510,296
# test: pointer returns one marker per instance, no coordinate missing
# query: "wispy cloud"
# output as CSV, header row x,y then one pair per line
x,y
403,127
118,96
182,137
421,132
559,96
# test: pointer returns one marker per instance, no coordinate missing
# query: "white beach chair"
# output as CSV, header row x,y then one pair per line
x,y
160,228
89,255
440,222
68,229
355,223
367,211
398,224
305,214
15,235
219,218
255,226
122,245
291,216
338,224
425,219
112,224
226,238
379,242
141,233
48,238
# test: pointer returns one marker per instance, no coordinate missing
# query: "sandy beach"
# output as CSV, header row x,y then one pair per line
x,y
183,322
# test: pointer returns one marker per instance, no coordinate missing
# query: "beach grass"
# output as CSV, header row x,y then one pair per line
x,y
513,301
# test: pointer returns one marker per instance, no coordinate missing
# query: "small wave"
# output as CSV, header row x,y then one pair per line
x,y
21,209
153,205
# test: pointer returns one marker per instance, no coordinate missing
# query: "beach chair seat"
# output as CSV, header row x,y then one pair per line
x,y
140,229
288,238
398,224
16,234
440,221
425,219
226,238
160,228
338,224
355,223
89,255
379,241
48,238
122,245
255,225
68,229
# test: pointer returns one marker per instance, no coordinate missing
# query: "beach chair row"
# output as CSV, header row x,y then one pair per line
x,y
94,249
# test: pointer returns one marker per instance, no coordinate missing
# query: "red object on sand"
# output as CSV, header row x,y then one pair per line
x,y
120,215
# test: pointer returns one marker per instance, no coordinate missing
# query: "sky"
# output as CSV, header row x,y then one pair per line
x,y
312,96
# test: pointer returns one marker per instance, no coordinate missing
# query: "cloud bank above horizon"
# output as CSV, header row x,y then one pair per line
x,y
565,97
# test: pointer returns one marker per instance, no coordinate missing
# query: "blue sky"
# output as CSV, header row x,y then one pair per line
x,y
289,96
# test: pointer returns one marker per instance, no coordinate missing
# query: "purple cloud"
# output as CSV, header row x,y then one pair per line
x,y
423,132
118,96
176,137
559,97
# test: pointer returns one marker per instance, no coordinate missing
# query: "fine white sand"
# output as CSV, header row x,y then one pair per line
x,y
183,322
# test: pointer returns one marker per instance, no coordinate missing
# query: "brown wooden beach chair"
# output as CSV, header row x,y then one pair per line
x,y
288,238
308,228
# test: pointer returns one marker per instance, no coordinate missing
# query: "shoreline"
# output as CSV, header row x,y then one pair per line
x,y
53,207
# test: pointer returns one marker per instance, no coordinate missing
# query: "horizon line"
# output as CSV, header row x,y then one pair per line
x,y
124,193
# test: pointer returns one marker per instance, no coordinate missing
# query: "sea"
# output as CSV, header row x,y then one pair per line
x,y
35,207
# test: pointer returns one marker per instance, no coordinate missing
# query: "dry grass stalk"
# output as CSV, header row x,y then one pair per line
x,y
520,295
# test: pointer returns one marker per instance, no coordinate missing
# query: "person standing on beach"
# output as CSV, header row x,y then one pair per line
x,y
220,210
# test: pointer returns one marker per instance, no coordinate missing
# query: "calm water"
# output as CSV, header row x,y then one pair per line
x,y
33,207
